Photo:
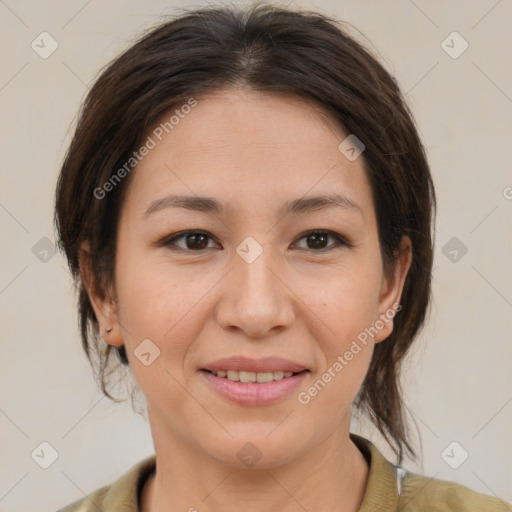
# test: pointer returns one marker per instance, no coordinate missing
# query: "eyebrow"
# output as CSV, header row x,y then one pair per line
x,y
211,205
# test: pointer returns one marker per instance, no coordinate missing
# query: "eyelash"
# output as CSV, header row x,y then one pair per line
x,y
340,241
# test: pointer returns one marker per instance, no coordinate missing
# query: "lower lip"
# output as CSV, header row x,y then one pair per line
x,y
254,393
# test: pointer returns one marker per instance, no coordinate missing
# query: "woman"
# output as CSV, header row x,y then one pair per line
x,y
246,208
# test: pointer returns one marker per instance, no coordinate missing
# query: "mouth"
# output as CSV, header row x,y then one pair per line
x,y
254,381
248,376
250,389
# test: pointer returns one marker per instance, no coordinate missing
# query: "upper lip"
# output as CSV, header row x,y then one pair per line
x,y
264,364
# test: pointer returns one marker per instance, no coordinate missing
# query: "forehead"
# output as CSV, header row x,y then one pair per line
x,y
248,148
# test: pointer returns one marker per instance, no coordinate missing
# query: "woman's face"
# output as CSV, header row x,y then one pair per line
x,y
249,288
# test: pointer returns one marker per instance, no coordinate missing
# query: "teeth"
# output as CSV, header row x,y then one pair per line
x,y
247,376
261,377
265,377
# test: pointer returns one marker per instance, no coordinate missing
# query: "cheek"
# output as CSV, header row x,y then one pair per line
x,y
349,310
158,305
144,298
348,301
348,305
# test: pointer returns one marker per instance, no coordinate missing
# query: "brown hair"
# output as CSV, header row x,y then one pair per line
x,y
273,50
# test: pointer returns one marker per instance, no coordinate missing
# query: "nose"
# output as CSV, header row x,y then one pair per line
x,y
255,298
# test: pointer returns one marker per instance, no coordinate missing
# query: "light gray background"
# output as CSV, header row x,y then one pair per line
x,y
458,378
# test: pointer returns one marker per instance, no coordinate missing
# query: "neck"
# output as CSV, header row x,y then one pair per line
x,y
332,477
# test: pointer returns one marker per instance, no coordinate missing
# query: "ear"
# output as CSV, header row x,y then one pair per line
x,y
102,301
391,290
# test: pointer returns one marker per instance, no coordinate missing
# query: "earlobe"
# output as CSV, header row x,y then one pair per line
x,y
392,287
104,306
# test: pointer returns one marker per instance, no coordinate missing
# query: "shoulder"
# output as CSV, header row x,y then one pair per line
x,y
391,488
90,503
122,495
420,493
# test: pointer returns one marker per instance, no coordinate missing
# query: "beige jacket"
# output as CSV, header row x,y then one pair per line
x,y
389,489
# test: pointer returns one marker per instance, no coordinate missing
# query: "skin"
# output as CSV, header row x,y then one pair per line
x,y
254,152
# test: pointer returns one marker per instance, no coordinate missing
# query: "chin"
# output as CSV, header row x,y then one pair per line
x,y
258,451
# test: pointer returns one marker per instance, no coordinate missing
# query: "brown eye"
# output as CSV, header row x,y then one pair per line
x,y
318,240
191,241
196,241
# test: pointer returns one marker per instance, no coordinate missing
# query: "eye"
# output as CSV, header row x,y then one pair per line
x,y
318,240
191,241
195,241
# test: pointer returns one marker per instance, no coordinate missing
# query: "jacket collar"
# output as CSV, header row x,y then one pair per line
x,y
380,494
381,491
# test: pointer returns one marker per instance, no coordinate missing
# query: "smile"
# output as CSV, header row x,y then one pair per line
x,y
253,388
241,376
